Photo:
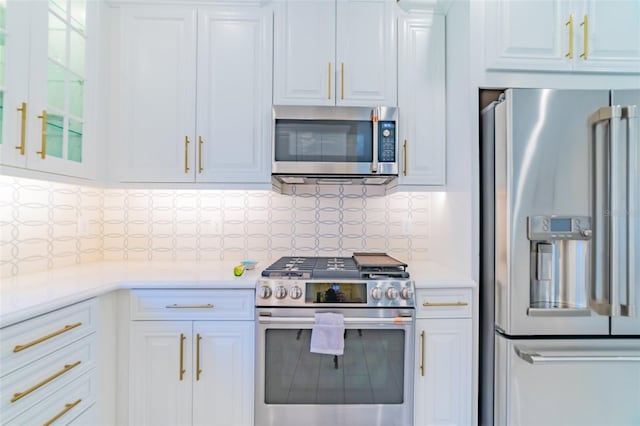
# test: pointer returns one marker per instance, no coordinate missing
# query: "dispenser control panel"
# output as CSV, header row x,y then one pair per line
x,y
559,228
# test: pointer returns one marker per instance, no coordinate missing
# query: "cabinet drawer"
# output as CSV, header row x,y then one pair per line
x,y
192,304
29,385
27,341
444,303
72,403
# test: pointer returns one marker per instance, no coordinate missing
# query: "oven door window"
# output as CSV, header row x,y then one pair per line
x,y
324,141
371,371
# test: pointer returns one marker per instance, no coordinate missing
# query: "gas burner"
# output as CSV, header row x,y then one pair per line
x,y
335,264
361,265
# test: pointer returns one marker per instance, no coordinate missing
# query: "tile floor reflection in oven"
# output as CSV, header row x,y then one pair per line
x,y
371,370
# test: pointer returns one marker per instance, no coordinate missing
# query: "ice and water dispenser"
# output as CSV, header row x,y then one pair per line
x,y
560,265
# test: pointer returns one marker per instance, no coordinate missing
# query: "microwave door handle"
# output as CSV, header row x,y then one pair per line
x,y
631,114
604,254
375,116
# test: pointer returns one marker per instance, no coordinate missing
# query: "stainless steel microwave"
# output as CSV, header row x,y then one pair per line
x,y
320,144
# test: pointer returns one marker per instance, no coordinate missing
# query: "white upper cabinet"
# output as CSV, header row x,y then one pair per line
x,y
233,121
421,99
335,52
608,36
561,35
158,94
47,79
195,94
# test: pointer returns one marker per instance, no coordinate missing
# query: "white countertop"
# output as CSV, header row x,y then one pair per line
x,y
28,295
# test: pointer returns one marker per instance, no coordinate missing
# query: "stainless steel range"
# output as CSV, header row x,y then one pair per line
x,y
372,382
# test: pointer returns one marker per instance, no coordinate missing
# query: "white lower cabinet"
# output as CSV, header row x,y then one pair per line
x,y
191,372
48,367
443,385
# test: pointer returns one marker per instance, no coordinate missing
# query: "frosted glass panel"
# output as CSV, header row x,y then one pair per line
x,y
1,113
57,39
55,86
3,14
78,14
3,23
2,57
75,141
76,53
59,6
76,97
54,135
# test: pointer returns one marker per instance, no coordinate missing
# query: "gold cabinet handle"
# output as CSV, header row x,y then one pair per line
x,y
67,367
64,329
404,165
176,306
329,78
23,127
182,370
342,81
445,304
65,410
200,143
585,41
422,341
186,154
43,144
570,25
198,370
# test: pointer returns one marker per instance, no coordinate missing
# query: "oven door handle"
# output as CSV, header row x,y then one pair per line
x,y
311,320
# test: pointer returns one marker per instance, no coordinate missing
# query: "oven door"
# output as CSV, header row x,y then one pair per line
x,y
371,384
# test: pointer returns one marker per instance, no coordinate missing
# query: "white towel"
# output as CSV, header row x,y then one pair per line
x,y
327,335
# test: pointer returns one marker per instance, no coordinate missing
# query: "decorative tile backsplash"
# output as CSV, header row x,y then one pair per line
x,y
46,225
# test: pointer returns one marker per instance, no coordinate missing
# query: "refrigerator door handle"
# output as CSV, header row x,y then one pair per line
x,y
605,201
631,114
539,357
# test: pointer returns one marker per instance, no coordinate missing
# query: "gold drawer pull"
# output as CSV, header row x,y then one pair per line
x,y
198,369
182,370
404,164
64,329
570,25
67,367
43,136
186,154
423,337
23,127
200,142
175,306
585,37
67,408
446,304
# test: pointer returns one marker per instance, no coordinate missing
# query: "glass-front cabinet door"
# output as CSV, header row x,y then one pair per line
x,y
46,86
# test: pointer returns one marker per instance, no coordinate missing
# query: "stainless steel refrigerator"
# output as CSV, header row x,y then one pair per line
x,y
560,258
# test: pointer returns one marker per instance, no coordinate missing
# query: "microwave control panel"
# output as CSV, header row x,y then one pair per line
x,y
387,147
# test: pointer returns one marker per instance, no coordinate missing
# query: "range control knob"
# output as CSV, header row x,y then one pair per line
x,y
295,292
391,293
264,292
280,292
587,233
406,293
386,133
376,293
